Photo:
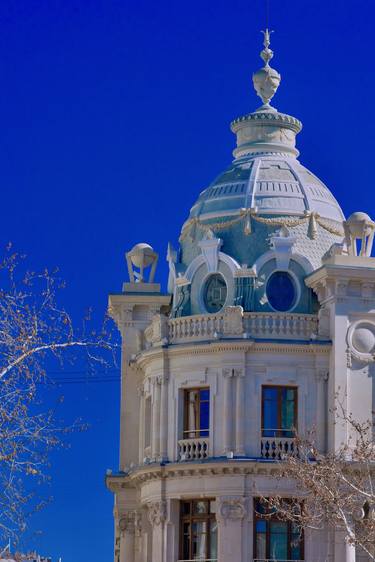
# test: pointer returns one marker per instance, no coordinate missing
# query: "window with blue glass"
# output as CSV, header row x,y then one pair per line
x,y
198,534
275,539
279,411
197,413
281,291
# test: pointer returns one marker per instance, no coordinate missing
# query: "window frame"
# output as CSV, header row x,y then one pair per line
x,y
279,430
195,517
197,432
203,293
297,289
269,518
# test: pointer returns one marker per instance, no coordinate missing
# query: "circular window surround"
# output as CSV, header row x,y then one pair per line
x,y
361,340
297,286
203,288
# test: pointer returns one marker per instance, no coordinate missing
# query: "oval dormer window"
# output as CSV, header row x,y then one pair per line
x,y
281,291
215,293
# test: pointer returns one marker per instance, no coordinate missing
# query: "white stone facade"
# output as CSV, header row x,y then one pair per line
x,y
177,354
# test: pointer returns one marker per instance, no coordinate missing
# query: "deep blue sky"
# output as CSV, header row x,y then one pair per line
x,y
114,115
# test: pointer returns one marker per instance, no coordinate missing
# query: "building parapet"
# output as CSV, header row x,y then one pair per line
x,y
233,322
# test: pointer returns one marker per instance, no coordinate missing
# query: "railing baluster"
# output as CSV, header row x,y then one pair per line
x,y
192,449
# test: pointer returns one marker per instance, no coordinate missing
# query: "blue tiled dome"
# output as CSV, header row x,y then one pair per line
x,y
271,183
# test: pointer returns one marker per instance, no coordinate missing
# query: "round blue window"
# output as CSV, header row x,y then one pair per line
x,y
281,291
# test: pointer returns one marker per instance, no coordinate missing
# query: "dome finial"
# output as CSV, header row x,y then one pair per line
x,y
266,80
267,53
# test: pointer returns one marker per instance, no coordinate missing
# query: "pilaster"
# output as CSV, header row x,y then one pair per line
x,y
157,512
228,411
156,395
240,411
164,382
233,526
129,525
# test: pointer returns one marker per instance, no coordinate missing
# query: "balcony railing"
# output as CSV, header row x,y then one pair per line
x,y
205,326
232,322
193,449
280,325
274,448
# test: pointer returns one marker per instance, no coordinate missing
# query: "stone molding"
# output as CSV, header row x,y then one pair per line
x,y
197,348
145,474
157,512
232,508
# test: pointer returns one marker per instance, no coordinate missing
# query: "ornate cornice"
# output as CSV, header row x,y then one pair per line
x,y
281,118
143,475
197,348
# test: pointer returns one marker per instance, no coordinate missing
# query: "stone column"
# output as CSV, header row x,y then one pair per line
x,y
155,445
231,514
240,411
321,410
227,411
141,425
127,530
156,515
164,418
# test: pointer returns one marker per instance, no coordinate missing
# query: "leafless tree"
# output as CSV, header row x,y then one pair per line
x,y
35,332
335,489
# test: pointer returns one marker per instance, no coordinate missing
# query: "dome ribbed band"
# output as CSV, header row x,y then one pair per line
x,y
249,215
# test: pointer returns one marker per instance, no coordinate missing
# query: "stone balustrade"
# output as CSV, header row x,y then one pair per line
x,y
231,323
281,325
273,448
193,449
204,326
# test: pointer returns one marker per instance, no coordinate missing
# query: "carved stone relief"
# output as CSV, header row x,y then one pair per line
x,y
157,512
233,508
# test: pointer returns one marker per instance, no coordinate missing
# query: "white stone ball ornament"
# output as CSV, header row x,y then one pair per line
x,y
141,256
361,340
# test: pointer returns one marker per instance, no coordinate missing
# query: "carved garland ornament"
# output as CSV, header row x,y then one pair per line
x,y
248,215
